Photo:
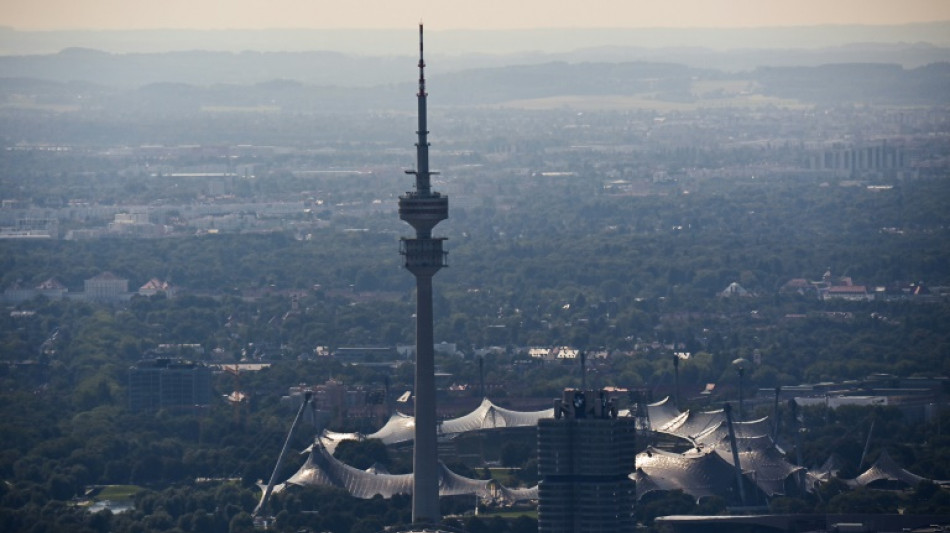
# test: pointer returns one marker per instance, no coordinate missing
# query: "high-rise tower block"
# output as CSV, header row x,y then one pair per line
x,y
423,209
585,454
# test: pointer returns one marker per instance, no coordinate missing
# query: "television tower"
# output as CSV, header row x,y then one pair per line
x,y
423,209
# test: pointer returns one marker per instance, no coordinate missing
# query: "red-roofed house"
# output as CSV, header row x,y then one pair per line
x,y
155,286
52,289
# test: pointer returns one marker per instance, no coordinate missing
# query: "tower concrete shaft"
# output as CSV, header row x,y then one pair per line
x,y
423,209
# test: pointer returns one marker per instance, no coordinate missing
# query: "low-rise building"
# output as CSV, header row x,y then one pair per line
x,y
106,287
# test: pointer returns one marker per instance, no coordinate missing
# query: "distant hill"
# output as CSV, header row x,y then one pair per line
x,y
204,68
859,83
338,69
172,85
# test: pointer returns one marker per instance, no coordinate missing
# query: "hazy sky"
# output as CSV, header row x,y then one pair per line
x,y
455,14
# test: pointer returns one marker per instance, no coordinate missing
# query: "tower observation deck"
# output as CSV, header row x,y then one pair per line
x,y
423,209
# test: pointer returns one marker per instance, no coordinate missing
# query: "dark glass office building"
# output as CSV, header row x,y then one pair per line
x,y
168,383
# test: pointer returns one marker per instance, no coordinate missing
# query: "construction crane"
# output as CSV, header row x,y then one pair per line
x,y
237,397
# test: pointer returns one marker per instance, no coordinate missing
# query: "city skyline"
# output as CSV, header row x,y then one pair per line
x,y
490,15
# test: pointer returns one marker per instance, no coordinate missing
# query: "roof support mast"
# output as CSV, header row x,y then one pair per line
x,y
280,458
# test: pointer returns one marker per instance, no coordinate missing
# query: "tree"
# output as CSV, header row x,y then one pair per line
x,y
862,500
241,523
662,504
362,454
515,453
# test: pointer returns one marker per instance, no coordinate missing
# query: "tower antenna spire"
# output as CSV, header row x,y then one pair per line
x,y
422,173
422,65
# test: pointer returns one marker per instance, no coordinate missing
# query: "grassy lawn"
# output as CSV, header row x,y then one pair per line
x,y
504,476
530,513
117,492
